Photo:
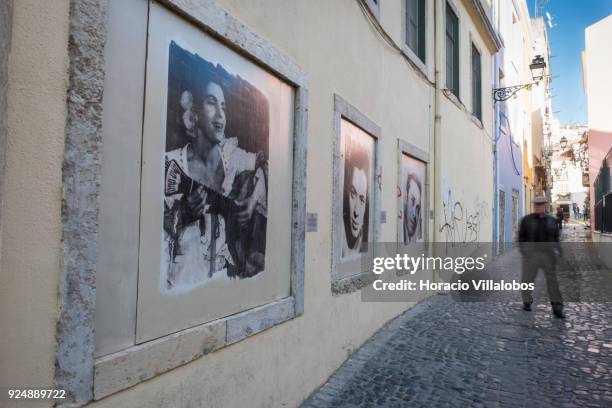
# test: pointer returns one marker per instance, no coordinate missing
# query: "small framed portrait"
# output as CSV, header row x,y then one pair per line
x,y
413,194
357,185
356,199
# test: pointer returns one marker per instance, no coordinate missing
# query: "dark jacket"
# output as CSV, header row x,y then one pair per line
x,y
534,228
560,215
544,229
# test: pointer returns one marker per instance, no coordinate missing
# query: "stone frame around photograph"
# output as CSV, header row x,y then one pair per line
x,y
344,110
84,377
405,148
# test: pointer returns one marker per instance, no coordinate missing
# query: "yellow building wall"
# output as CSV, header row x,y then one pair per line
x,y
336,46
341,52
32,226
464,146
527,181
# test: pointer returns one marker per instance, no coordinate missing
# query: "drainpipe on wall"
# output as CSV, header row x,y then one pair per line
x,y
6,14
495,142
437,120
495,163
439,86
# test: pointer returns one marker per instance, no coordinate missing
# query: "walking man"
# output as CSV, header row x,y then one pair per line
x,y
539,246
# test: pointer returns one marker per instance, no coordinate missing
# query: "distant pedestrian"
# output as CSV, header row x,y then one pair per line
x,y
539,246
560,217
585,212
576,211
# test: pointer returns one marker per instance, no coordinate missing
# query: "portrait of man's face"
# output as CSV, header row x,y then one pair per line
x,y
357,200
213,113
411,216
358,155
412,206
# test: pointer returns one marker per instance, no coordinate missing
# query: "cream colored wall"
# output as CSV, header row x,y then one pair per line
x,y
541,102
464,150
518,54
527,100
540,99
30,252
464,176
338,49
333,42
526,95
598,66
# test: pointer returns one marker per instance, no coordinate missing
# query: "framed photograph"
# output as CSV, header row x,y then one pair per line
x,y
357,162
203,173
413,194
356,196
217,181
215,184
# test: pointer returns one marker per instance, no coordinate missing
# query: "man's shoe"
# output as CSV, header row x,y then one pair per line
x,y
527,307
559,313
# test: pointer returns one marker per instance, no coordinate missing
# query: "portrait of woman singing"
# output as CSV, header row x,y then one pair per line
x,y
215,209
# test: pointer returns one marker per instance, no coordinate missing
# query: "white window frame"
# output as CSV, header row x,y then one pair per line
x,y
453,7
474,44
414,58
374,7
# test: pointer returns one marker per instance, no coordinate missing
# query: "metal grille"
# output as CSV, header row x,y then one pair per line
x,y
603,214
607,213
598,216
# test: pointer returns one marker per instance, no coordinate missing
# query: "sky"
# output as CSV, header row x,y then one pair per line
x,y
570,18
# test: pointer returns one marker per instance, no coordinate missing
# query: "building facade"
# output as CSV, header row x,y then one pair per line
x,y
513,117
464,125
538,171
597,63
312,102
568,191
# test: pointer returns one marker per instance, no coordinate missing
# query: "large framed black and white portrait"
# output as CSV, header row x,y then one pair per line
x,y
216,181
216,174
356,195
413,195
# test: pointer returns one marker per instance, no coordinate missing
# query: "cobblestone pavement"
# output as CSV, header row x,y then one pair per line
x,y
481,354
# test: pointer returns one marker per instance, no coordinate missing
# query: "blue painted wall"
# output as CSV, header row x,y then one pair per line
x,y
510,174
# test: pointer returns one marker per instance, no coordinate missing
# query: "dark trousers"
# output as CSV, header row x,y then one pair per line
x,y
531,264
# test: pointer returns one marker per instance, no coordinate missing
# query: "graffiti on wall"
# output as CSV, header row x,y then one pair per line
x,y
462,223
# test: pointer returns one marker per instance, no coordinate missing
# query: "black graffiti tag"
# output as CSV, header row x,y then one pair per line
x,y
460,226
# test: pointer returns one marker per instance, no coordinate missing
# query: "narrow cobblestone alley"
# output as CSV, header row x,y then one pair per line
x,y
482,354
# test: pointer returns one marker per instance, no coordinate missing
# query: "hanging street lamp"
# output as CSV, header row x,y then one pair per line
x,y
537,67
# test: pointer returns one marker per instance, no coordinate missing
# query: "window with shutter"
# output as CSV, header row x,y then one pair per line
x,y
452,51
415,27
476,83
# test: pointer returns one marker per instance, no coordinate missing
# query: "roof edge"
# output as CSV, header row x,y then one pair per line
x,y
494,36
